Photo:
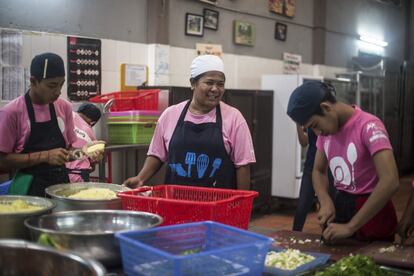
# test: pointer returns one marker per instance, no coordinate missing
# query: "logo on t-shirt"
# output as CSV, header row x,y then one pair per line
x,y
82,135
343,174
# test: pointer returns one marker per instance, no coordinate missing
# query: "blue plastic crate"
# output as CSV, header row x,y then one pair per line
x,y
4,187
320,259
200,248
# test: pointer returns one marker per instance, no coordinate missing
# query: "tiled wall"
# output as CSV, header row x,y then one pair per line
x,y
241,71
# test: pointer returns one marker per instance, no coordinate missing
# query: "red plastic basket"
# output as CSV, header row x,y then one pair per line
x,y
182,204
130,100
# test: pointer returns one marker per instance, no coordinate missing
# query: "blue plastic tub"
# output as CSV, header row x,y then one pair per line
x,y
4,187
320,259
200,248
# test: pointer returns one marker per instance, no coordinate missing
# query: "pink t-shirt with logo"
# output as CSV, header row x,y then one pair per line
x,y
350,152
15,123
236,134
84,134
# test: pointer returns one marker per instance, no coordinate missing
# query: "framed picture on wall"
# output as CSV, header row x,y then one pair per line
x,y
211,19
244,33
282,7
280,31
194,24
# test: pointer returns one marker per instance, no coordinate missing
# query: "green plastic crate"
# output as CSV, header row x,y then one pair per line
x,y
130,132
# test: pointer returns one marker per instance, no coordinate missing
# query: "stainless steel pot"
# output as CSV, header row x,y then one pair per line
x,y
60,192
90,233
12,224
19,257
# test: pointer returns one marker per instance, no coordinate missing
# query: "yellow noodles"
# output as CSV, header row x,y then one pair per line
x,y
94,193
17,205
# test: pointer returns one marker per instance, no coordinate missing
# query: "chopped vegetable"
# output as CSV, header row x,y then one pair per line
x,y
357,265
289,259
190,251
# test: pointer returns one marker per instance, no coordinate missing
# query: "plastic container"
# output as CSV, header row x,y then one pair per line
x,y
134,116
202,248
4,187
130,100
182,204
320,259
130,132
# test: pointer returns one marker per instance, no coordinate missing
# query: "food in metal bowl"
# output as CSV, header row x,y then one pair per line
x,y
12,226
89,233
18,205
94,193
61,194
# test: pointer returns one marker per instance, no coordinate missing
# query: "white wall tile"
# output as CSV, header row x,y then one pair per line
x,y
110,81
123,53
108,55
27,50
138,53
40,44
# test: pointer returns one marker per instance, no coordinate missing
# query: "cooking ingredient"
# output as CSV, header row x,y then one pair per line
x,y
289,259
94,193
96,147
190,251
391,248
18,205
357,265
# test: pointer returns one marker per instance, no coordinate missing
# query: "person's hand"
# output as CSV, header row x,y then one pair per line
x,y
133,182
96,155
326,214
57,156
336,231
405,229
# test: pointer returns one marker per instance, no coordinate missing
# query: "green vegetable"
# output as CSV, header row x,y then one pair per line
x,y
357,265
190,251
46,240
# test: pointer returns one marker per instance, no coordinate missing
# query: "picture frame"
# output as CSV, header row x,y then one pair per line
x,y
280,31
244,33
194,24
211,19
282,7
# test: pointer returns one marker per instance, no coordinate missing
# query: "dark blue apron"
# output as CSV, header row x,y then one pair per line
x,y
197,156
44,136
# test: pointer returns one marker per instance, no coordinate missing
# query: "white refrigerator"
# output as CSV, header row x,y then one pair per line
x,y
288,155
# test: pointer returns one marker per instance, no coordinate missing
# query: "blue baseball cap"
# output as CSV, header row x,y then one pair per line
x,y
305,100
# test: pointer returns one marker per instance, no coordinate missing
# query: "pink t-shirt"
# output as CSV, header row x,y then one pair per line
x,y
236,134
350,152
15,123
84,134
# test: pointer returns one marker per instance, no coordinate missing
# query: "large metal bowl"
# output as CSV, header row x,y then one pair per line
x,y
19,257
60,192
90,233
12,224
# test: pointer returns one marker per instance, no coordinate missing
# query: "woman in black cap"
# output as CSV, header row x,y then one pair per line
x,y
86,117
37,130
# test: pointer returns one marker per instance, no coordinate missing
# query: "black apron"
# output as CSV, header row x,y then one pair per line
x,y
44,136
197,156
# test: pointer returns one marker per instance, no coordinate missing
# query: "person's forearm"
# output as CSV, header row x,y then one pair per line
x,y
13,161
382,193
320,185
243,177
151,166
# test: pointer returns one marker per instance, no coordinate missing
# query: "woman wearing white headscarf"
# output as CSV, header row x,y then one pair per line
x,y
204,141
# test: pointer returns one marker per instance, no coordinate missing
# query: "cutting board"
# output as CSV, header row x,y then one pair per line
x,y
311,242
387,253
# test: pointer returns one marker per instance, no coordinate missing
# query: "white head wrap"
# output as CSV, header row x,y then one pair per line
x,y
206,63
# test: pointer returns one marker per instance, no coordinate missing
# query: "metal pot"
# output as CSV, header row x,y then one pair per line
x,y
12,224
19,257
60,192
90,233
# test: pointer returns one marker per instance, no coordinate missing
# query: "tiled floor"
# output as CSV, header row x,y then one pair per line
x,y
283,219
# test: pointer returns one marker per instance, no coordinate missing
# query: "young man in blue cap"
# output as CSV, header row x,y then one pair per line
x,y
84,119
37,127
355,146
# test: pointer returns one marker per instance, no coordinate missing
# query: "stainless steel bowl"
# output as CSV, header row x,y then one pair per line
x,y
90,233
12,224
60,192
19,257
